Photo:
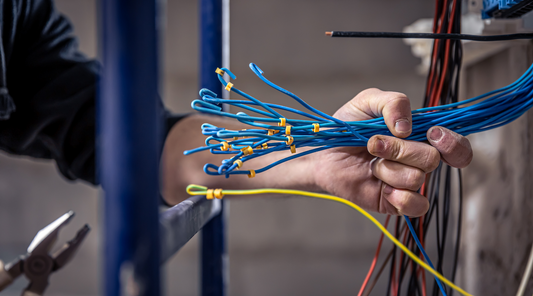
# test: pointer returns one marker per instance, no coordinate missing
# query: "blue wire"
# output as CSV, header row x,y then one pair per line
x,y
413,233
478,114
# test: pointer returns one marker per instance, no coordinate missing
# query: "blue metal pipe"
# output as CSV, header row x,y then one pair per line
x,y
213,239
129,142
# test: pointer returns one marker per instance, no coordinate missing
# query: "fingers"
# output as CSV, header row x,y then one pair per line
x,y
405,202
454,148
411,153
371,103
398,175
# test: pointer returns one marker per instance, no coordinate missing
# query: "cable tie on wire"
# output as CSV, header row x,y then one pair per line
x,y
239,163
289,141
251,174
220,71
272,132
288,130
235,138
247,150
282,121
225,146
209,194
229,86
316,127
265,146
293,148
218,193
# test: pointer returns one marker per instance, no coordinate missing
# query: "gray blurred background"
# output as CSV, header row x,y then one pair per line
x,y
292,246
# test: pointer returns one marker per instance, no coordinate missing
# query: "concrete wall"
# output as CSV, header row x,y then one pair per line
x,y
277,246
498,217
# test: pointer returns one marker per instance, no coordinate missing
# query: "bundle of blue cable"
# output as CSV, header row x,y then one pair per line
x,y
272,132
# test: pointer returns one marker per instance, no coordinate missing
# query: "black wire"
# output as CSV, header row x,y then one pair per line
x,y
406,260
450,36
459,224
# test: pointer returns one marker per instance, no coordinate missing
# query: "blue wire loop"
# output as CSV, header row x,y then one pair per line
x,y
478,114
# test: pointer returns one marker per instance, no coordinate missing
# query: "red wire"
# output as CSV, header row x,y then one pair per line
x,y
446,57
394,283
429,87
401,257
373,265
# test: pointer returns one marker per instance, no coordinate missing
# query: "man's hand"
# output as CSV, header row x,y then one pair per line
x,y
385,175
382,177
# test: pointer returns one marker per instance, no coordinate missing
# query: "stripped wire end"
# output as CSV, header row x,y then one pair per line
x,y
329,33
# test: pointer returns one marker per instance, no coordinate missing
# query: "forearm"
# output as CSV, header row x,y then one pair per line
x,y
179,170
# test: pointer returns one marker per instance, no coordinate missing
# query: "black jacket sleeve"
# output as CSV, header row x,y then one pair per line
x,y
53,87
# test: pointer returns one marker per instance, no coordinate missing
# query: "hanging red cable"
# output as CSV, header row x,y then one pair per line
x,y
373,265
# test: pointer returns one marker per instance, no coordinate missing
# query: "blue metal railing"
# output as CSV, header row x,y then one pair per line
x,y
129,146
213,242
128,154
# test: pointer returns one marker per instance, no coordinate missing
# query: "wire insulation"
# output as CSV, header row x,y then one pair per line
x,y
201,190
447,36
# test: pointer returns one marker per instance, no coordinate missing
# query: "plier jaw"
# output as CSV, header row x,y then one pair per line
x,y
38,263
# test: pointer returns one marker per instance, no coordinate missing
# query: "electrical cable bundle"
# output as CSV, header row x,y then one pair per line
x,y
442,87
272,132
322,131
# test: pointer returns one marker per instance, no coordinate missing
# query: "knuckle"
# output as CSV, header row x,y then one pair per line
x,y
395,149
414,179
371,90
432,159
402,202
398,97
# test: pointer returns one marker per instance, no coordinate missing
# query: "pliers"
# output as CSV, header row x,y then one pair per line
x,y
38,263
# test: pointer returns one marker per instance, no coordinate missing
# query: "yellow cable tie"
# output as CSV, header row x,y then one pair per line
x,y
239,163
288,130
220,71
247,150
265,146
251,174
316,127
289,141
225,146
229,86
235,138
282,121
218,193
209,194
272,132
293,148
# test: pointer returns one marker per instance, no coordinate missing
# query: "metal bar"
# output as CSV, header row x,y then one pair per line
x,y
128,154
181,222
213,244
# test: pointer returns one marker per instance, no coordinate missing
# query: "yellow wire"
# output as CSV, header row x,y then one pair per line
x,y
201,190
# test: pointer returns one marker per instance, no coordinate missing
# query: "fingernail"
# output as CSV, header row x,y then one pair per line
x,y
402,126
387,189
436,134
379,146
